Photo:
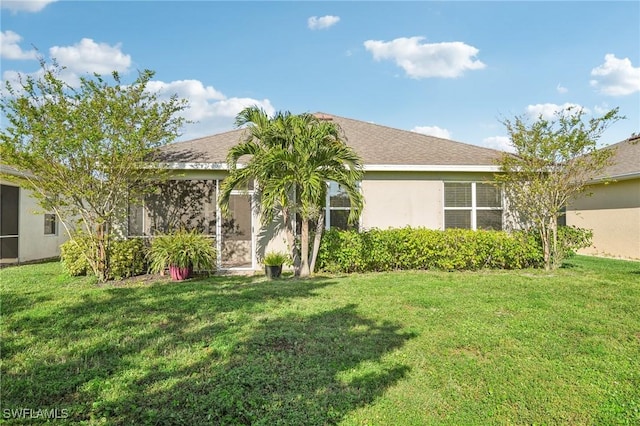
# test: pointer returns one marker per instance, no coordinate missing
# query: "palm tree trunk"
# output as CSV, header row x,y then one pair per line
x,y
317,238
304,248
291,241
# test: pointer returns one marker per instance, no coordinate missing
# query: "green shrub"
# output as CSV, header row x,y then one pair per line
x,y
571,239
73,255
419,248
185,249
276,258
126,259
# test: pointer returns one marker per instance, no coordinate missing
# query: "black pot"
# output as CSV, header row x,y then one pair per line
x,y
273,271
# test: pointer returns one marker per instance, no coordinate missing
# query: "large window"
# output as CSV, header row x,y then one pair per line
x,y
339,207
472,205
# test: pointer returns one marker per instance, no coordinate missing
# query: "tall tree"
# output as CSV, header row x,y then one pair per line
x,y
293,158
554,163
82,147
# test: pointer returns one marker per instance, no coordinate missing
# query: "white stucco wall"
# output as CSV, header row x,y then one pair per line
x,y
33,244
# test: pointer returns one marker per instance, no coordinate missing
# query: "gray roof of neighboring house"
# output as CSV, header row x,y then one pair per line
x,y
626,159
376,145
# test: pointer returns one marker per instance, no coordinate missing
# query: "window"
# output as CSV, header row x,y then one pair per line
x,y
339,207
472,205
50,224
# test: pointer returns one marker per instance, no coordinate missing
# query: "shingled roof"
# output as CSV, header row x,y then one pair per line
x,y
377,145
625,160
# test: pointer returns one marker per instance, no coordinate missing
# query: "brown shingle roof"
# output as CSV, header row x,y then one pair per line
x,y
376,144
626,159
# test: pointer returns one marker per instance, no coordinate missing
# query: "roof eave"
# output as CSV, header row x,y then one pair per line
x,y
430,168
624,176
367,167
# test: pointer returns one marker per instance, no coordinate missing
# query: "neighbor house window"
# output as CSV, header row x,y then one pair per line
x,y
472,205
339,207
50,224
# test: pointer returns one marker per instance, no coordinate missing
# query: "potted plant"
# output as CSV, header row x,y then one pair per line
x,y
273,262
181,252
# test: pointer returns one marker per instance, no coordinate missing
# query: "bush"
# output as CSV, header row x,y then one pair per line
x,y
419,248
184,249
73,255
127,257
572,239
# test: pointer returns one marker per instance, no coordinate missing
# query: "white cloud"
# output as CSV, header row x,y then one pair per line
x,y
84,57
323,22
209,109
447,60
87,56
502,143
433,131
616,77
10,47
601,109
26,5
548,111
561,89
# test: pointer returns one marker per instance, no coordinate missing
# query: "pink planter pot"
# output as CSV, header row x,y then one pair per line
x,y
179,274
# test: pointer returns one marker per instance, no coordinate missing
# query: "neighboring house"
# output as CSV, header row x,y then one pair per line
x,y
410,180
26,233
612,210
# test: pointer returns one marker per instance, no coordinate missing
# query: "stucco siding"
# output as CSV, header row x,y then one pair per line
x,y
33,243
397,203
613,213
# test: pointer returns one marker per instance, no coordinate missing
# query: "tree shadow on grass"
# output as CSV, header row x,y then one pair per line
x,y
293,371
209,351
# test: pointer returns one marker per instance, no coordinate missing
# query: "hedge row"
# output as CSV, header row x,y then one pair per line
x,y
418,248
127,257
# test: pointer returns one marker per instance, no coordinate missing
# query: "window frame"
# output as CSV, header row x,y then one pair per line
x,y
474,208
328,208
53,219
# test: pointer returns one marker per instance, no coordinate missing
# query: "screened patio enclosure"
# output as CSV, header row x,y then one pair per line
x,y
192,205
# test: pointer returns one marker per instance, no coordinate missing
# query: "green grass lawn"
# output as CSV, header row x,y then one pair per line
x,y
403,348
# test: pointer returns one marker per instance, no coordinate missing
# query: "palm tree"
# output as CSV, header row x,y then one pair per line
x,y
292,159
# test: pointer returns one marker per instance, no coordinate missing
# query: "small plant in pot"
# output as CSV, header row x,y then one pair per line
x,y
273,262
181,252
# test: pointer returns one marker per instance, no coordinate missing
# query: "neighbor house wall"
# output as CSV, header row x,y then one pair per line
x,y
613,213
33,244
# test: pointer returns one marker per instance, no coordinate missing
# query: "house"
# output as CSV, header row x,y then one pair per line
x,y
410,179
26,233
612,207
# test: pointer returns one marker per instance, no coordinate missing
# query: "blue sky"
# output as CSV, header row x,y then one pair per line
x,y
451,69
